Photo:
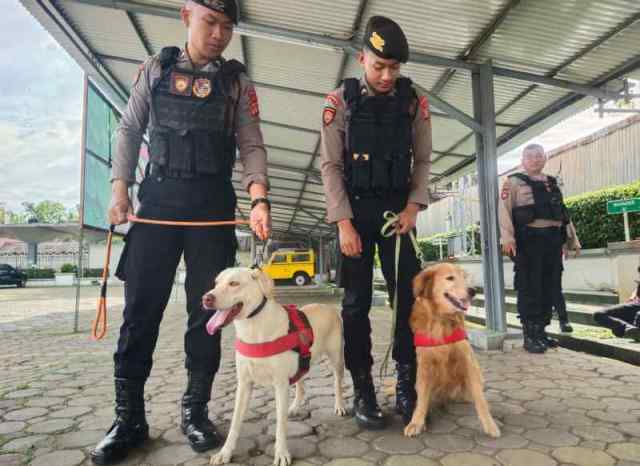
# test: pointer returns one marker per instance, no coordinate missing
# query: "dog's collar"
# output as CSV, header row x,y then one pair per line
x,y
257,310
424,340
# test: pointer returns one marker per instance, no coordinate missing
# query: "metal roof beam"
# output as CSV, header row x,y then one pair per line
x,y
140,33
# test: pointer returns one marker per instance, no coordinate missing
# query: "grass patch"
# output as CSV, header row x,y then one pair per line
x,y
595,332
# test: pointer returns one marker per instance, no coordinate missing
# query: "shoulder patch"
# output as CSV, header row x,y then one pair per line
x,y
423,102
332,101
252,96
328,115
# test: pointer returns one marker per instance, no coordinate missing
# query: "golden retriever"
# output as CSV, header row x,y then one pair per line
x,y
447,370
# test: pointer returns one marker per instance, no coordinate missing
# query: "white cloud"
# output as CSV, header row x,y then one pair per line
x,y
40,117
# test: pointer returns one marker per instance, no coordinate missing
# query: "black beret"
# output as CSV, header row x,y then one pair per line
x,y
385,38
228,7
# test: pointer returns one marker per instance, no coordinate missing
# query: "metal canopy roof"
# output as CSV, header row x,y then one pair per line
x,y
547,55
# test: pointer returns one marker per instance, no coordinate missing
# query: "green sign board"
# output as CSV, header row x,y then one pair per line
x,y
621,206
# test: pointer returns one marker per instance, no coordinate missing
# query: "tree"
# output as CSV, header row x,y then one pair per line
x,y
46,212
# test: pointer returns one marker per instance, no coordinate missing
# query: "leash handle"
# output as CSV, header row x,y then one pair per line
x,y
388,229
99,325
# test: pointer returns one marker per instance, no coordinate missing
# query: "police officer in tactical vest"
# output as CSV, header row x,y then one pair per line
x,y
534,228
376,148
199,109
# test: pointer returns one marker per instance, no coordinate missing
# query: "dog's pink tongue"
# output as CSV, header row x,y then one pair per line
x,y
218,321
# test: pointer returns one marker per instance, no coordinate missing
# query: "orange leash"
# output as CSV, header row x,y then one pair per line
x,y
99,325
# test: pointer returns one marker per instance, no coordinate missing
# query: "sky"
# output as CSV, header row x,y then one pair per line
x,y
41,111
40,115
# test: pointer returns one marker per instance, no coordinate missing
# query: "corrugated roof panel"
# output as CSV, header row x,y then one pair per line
x,y
124,72
441,28
606,57
290,109
108,31
538,36
162,32
292,66
285,157
281,137
329,17
533,102
446,131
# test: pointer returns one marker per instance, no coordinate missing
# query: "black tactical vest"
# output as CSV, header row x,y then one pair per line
x,y
192,115
378,151
548,202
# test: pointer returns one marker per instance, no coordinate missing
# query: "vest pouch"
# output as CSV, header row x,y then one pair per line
x,y
380,174
159,148
210,152
180,150
360,172
400,173
523,215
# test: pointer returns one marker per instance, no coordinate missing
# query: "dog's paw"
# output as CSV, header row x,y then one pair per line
x,y
413,429
222,457
492,429
282,458
340,409
294,411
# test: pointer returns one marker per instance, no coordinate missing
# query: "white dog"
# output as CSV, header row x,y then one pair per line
x,y
245,296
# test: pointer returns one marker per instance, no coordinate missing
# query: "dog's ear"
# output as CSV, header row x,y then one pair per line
x,y
423,283
264,281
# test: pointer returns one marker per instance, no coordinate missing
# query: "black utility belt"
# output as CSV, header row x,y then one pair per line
x,y
542,231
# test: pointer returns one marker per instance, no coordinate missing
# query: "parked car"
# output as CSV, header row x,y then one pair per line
x,y
292,264
11,276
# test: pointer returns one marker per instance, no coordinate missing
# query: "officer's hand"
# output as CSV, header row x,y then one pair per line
x,y
260,221
350,243
119,209
407,218
509,249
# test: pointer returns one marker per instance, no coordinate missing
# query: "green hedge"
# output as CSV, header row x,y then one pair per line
x,y
87,273
594,226
39,273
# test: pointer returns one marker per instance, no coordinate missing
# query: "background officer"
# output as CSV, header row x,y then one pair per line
x,y
198,109
375,152
534,228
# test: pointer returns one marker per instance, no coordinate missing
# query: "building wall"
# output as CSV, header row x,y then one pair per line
x,y
607,158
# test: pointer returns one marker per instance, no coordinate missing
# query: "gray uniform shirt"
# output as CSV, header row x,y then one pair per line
x,y
135,118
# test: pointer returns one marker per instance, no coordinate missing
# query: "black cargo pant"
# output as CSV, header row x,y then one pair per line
x,y
148,266
538,272
619,318
356,278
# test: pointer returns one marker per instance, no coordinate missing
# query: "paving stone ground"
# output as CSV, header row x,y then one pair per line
x,y
56,401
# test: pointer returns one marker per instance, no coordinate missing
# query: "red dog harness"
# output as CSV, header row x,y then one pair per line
x,y
422,340
299,339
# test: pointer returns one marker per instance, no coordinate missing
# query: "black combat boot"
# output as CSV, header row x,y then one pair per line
x,y
365,407
200,431
532,344
406,390
130,429
544,338
565,326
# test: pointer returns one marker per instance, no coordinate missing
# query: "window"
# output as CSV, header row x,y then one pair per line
x,y
301,258
279,259
5,268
